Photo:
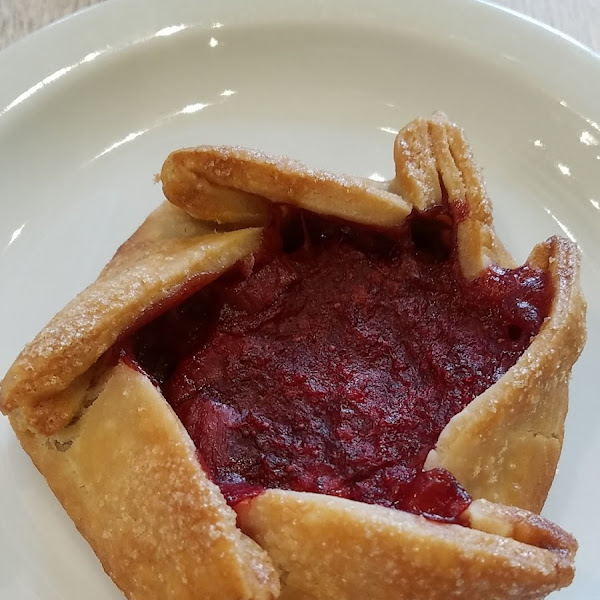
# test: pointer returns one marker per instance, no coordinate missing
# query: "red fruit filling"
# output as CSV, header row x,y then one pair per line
x,y
334,365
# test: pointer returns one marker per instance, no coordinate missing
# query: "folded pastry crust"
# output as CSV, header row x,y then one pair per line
x,y
330,548
128,476
126,471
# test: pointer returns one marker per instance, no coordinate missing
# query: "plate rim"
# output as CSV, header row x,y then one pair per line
x,y
533,48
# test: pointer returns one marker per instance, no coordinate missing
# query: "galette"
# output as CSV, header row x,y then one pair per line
x,y
291,384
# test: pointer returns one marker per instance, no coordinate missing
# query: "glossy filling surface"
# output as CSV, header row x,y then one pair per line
x,y
333,362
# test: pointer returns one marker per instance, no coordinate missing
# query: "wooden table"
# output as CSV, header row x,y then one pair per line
x,y
578,18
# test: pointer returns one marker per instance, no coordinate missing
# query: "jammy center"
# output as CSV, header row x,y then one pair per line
x,y
333,362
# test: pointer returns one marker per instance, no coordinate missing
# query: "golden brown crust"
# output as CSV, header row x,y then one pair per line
x,y
505,445
128,476
515,427
47,379
523,526
433,163
434,160
230,173
329,548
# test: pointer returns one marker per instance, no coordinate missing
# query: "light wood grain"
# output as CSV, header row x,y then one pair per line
x,y
20,17
577,18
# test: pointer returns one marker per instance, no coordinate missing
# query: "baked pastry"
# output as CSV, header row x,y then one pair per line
x,y
359,370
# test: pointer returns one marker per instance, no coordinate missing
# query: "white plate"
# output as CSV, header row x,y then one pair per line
x,y
90,107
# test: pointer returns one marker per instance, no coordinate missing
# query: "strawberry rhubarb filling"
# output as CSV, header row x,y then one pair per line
x,y
332,361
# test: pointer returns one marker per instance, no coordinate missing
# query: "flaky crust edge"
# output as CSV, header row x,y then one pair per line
x,y
128,476
505,445
328,548
110,446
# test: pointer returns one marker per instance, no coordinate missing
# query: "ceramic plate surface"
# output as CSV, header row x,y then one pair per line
x,y
91,106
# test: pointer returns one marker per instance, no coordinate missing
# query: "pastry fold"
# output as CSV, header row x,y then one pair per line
x,y
126,471
128,475
330,548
